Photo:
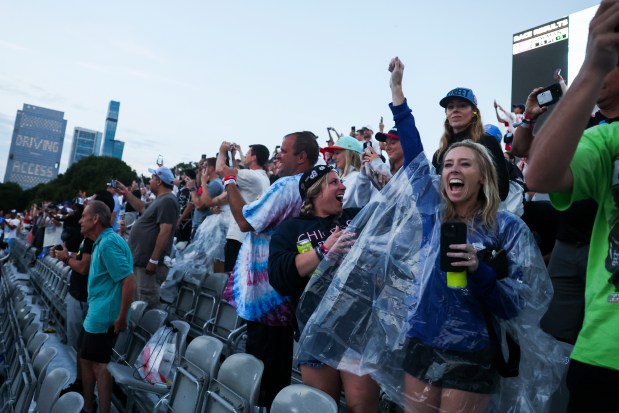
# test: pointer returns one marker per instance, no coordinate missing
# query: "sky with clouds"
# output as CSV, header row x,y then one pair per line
x,y
189,74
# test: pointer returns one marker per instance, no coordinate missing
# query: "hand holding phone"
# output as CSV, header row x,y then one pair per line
x,y
229,160
549,95
453,232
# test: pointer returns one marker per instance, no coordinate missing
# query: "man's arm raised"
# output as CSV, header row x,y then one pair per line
x,y
554,146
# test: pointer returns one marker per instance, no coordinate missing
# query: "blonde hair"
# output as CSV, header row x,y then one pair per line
x,y
353,162
488,199
308,207
476,131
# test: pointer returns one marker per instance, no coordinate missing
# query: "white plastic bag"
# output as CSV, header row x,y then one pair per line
x,y
158,360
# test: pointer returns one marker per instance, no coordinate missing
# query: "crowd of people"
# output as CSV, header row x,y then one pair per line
x,y
346,249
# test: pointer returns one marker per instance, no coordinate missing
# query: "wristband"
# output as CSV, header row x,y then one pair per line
x,y
319,254
154,262
323,249
126,192
527,124
529,118
231,179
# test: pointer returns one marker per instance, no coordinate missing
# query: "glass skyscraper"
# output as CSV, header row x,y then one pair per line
x,y
36,146
119,147
109,134
86,142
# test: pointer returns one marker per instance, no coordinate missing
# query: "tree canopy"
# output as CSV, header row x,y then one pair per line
x,y
88,175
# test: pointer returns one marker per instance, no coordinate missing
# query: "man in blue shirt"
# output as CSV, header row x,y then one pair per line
x,y
111,286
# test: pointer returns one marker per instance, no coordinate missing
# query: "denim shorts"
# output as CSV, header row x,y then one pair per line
x,y
467,371
310,362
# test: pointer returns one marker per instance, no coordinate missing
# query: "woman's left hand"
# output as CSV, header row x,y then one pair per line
x,y
467,253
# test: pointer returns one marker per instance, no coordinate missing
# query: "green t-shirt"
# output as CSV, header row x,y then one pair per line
x,y
110,263
594,166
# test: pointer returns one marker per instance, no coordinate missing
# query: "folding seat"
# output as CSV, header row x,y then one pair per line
x,y
200,365
237,386
185,301
150,321
126,377
71,402
225,322
208,298
136,311
52,385
40,364
35,344
300,398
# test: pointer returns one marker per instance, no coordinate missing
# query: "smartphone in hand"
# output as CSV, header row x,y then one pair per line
x,y
452,232
549,95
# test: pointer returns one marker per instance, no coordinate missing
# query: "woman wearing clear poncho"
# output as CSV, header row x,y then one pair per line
x,y
389,312
295,251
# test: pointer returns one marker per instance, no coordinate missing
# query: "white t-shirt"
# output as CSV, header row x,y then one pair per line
x,y
252,184
52,234
11,233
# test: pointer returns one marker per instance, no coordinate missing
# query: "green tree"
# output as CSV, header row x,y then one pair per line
x,y
180,167
12,197
88,175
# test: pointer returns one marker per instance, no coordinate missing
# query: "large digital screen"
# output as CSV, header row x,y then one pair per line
x,y
538,52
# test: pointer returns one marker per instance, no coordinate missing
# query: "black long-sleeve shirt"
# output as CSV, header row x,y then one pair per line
x,y
283,274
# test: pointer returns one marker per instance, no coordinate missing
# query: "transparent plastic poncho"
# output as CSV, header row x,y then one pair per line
x,y
207,246
357,311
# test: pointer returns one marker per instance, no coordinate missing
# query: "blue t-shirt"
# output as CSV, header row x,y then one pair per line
x,y
110,263
215,188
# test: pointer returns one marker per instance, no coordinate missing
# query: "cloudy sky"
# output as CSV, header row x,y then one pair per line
x,y
190,74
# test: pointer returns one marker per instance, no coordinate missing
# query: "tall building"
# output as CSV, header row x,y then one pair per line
x,y
109,134
36,146
86,142
119,147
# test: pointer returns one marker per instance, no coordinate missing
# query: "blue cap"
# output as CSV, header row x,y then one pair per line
x,y
493,130
459,93
164,174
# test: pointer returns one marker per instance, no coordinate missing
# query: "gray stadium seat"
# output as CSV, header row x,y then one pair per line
x,y
125,375
237,386
71,402
300,398
199,364
36,343
52,385
136,311
40,364
30,331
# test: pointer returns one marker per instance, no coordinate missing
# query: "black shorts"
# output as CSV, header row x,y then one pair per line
x,y
460,370
98,347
